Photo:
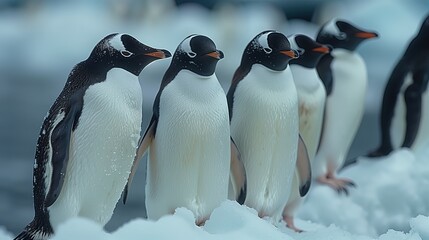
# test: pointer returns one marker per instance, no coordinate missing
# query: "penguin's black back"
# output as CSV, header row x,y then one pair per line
x,y
325,72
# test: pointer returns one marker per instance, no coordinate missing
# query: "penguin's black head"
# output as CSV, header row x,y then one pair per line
x,y
309,50
341,34
269,48
124,51
424,29
198,54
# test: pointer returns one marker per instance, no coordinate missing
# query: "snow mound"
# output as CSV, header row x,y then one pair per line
x,y
229,221
391,201
4,234
390,191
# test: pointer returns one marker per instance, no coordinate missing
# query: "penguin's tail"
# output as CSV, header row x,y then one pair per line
x,y
34,232
24,235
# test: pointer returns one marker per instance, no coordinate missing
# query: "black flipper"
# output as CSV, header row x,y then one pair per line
x,y
60,141
35,231
143,145
390,98
238,174
304,168
325,73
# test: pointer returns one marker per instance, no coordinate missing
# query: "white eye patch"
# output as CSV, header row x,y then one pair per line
x,y
185,46
117,43
292,42
332,28
294,45
263,41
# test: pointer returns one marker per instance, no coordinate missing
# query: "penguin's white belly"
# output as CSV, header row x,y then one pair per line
x,y
344,110
189,159
264,126
398,127
102,149
311,99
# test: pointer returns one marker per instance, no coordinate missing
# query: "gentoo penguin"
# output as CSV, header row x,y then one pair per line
x,y
188,136
344,75
263,105
409,78
311,99
89,138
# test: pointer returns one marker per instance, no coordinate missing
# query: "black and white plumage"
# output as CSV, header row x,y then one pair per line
x,y
263,107
188,136
311,92
311,100
344,74
89,137
404,112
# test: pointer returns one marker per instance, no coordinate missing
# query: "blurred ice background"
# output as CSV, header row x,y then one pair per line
x,y
41,40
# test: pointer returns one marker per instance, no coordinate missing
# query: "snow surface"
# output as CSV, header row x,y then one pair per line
x,y
389,192
392,193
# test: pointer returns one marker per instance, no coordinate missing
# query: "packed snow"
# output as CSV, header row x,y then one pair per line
x,y
391,201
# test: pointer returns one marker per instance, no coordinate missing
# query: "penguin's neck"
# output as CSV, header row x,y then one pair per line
x,y
97,70
307,62
344,53
84,74
266,78
305,78
195,86
119,92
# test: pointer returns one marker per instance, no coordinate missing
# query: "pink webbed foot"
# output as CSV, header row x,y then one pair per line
x,y
201,222
339,184
290,223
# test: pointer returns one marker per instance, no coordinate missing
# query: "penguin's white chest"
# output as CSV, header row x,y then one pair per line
x,y
264,126
102,149
311,98
344,108
190,155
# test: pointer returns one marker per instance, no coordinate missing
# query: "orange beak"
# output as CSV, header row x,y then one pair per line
x,y
366,35
216,54
321,49
159,54
290,53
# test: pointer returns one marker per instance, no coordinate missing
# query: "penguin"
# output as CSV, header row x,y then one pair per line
x,y
409,79
263,108
311,100
188,136
88,140
343,73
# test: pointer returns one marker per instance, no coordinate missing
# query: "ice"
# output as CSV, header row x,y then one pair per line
x,y
389,192
391,201
230,221
4,235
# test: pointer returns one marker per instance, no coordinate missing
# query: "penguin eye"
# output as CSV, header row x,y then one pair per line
x,y
126,53
191,54
268,50
341,36
300,51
